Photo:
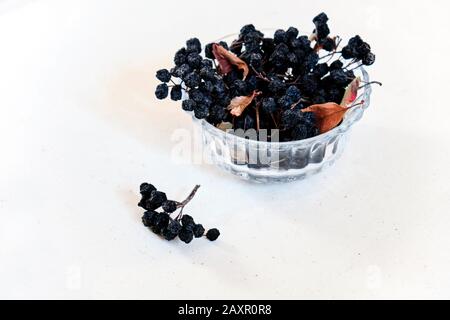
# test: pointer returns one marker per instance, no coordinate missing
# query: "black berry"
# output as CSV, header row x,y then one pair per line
x,y
146,189
212,234
155,200
169,206
186,235
193,46
163,75
162,90
198,230
147,218
176,93
188,105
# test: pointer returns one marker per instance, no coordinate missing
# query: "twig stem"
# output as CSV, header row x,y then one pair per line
x,y
186,201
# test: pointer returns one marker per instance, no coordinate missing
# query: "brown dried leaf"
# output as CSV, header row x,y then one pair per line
x,y
351,93
227,59
238,104
328,115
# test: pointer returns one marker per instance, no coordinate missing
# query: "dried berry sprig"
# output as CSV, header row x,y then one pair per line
x,y
182,226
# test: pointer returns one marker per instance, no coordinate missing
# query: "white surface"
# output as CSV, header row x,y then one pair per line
x,y
80,129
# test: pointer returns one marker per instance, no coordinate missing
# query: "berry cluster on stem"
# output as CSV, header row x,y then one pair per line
x,y
162,223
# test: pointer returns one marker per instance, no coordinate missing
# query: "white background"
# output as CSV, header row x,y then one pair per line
x,y
80,129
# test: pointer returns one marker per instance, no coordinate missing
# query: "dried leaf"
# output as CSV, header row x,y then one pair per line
x,y
328,115
238,104
227,59
351,93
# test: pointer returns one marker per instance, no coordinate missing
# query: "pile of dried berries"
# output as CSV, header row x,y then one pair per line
x,y
182,226
258,82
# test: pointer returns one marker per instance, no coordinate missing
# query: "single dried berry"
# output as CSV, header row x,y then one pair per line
x,y
188,105
193,45
186,235
369,59
181,71
192,80
172,230
194,60
180,57
176,93
169,206
198,230
290,118
269,105
212,234
188,222
201,111
321,18
162,90
163,75
328,44
146,189
147,218
162,220
155,200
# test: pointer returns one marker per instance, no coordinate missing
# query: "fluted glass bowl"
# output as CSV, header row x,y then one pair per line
x,y
266,162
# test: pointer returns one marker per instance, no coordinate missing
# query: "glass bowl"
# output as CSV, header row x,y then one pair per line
x,y
266,162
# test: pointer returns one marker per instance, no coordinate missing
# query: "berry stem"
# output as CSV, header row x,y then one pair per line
x,y
273,119
356,104
330,54
257,116
259,75
296,104
186,201
358,66
350,63
370,83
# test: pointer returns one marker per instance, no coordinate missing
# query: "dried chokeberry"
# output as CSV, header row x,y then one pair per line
x,y
147,218
201,111
212,234
269,105
176,93
146,189
192,80
186,235
162,90
155,200
163,75
172,230
169,206
188,105
198,230
193,46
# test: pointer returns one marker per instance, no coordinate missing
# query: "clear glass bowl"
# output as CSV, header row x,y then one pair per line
x,y
267,162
